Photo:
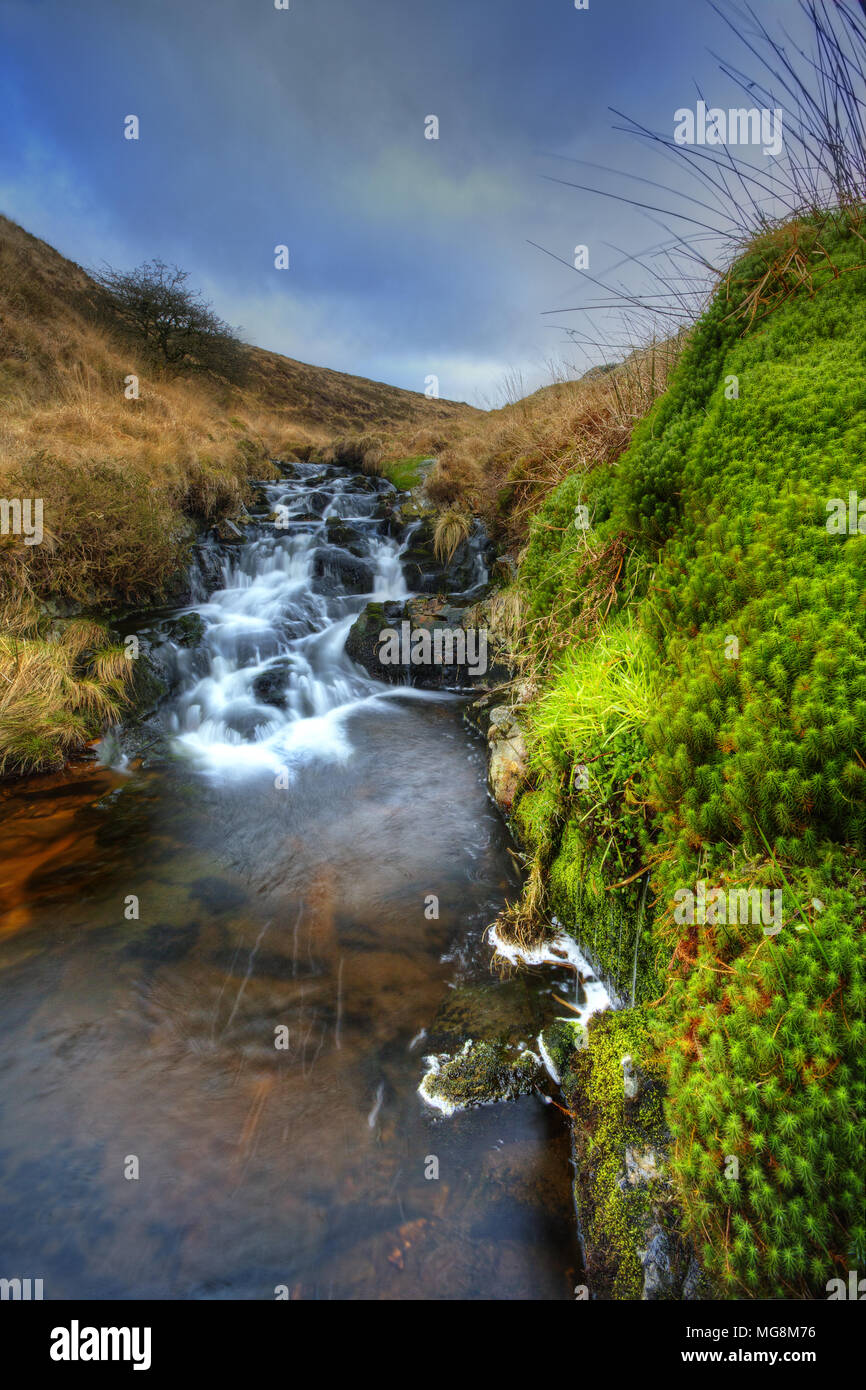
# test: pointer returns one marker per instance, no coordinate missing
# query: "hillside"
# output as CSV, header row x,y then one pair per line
x,y
126,484
59,349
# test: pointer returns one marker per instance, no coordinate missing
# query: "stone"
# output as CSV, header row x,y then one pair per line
x,y
630,1078
508,758
336,571
481,1073
659,1261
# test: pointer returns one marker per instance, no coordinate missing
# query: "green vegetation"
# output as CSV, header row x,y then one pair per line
x,y
60,689
608,1126
405,473
481,1073
700,652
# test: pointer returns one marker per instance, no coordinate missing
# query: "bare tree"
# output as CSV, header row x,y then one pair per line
x,y
177,327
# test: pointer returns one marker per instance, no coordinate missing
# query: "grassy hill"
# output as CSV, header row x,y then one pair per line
x,y
126,483
503,463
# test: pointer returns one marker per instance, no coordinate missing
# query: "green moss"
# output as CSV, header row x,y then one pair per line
x,y
405,473
615,1214
610,923
744,768
562,1038
481,1073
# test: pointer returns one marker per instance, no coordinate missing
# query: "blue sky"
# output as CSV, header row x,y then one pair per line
x,y
409,257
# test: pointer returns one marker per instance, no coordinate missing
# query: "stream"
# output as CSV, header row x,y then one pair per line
x,y
220,972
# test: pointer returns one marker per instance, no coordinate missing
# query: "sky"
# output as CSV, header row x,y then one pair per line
x,y
305,127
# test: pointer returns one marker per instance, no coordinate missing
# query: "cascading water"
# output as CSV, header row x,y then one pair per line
x,y
271,683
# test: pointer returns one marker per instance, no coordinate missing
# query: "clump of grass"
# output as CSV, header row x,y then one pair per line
x,y
452,529
364,451
601,691
57,691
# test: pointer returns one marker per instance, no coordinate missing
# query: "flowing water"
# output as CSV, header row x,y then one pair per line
x,y
220,970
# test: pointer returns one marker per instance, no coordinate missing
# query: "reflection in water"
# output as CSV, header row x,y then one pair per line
x,y
253,1038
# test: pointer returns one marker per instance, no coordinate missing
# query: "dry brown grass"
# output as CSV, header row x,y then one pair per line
x,y
185,448
452,529
523,451
56,691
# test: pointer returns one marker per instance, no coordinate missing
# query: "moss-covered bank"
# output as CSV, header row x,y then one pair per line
x,y
696,616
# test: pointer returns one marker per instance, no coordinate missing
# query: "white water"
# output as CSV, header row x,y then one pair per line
x,y
283,614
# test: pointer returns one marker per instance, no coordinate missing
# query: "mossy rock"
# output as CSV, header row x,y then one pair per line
x,y
561,1039
187,630
481,1073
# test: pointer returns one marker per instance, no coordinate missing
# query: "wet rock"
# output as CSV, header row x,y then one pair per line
x,y
641,1166
659,1264
163,942
152,674
227,532
337,571
630,1080
506,771
426,574
694,1284
346,537
219,895
60,608
506,1012
362,642
186,630
481,1073
560,1040
428,643
317,502
206,570
260,504
270,687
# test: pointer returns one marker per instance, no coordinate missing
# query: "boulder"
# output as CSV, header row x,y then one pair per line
x,y
337,571
449,654
269,688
